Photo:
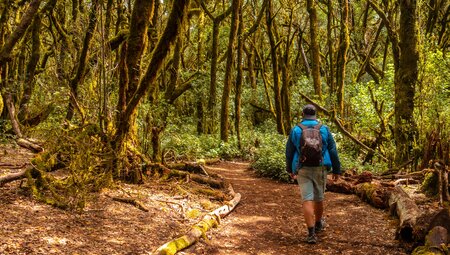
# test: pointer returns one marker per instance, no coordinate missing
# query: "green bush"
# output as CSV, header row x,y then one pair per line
x,y
270,160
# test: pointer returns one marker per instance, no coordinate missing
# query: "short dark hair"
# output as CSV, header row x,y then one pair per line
x,y
309,111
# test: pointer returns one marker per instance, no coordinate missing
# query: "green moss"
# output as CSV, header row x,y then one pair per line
x,y
430,184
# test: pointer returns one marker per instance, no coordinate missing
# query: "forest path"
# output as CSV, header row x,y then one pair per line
x,y
268,220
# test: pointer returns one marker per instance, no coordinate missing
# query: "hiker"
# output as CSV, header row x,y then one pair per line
x,y
310,153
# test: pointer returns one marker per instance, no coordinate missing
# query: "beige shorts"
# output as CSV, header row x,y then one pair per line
x,y
312,181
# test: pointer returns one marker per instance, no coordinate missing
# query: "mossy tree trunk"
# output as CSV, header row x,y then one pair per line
x,y
126,115
405,82
212,99
8,44
82,63
330,45
286,75
31,68
344,43
224,113
270,23
239,77
314,47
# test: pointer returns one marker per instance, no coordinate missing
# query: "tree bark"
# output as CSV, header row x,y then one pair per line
x,y
405,208
19,31
224,116
172,30
315,50
31,68
212,99
82,62
238,85
330,44
12,177
275,68
344,43
405,82
198,230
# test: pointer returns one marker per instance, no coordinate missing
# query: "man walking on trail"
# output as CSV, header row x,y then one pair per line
x,y
310,152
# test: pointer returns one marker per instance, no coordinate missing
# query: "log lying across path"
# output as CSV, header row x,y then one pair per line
x,y
383,195
209,221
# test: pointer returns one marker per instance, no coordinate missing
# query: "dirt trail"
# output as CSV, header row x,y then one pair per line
x,y
268,221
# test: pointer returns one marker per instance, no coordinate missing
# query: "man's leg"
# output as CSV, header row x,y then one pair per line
x,y
307,193
308,213
318,210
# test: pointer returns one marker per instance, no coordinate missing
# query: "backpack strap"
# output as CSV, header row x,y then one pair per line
x,y
303,127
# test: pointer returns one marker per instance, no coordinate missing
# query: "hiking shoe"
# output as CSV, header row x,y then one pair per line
x,y
311,239
320,226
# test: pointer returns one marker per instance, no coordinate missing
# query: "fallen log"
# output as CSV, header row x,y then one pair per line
x,y
428,221
405,208
198,230
435,242
413,225
374,193
12,177
340,186
29,145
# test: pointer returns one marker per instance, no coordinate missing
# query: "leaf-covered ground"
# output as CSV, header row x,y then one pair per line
x,y
267,221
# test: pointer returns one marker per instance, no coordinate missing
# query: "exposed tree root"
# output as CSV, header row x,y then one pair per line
x,y
131,201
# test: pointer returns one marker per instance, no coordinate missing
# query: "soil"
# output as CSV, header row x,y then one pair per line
x,y
268,219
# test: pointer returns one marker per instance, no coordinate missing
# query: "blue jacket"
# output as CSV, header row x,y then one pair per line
x,y
329,151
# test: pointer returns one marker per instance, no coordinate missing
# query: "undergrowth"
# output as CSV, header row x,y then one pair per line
x,y
84,159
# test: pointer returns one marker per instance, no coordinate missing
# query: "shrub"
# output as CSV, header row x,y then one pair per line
x,y
270,158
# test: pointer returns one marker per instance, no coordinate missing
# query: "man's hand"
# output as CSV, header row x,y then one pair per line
x,y
335,177
293,176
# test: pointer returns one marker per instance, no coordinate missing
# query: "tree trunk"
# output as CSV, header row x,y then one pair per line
x,y
286,77
142,12
239,76
156,144
330,44
405,82
344,43
212,99
315,50
127,116
31,68
275,73
19,31
82,62
224,116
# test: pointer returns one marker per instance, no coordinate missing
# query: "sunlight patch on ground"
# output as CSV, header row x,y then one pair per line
x,y
340,213
224,169
271,204
256,219
55,240
240,163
